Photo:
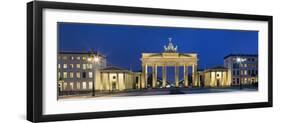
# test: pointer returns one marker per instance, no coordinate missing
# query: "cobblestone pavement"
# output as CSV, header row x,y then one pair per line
x,y
169,91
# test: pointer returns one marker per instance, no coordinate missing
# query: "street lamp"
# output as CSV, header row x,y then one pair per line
x,y
94,58
240,61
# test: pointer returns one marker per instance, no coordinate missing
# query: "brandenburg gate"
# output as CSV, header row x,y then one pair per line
x,y
170,57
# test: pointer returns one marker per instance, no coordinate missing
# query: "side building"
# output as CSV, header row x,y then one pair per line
x,y
214,77
243,68
77,72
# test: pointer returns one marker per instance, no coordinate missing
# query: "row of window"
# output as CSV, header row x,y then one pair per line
x,y
245,72
78,66
66,75
247,59
238,65
236,81
77,85
84,58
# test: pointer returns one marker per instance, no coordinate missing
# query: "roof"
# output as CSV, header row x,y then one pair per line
x,y
241,55
114,69
216,68
81,52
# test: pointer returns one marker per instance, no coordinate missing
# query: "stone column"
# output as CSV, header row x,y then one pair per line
x,y
185,75
194,75
164,76
177,75
144,76
117,81
154,76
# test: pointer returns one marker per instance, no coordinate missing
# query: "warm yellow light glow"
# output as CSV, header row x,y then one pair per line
x,y
89,59
96,59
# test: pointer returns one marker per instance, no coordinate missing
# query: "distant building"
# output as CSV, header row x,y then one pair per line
x,y
243,68
214,77
78,71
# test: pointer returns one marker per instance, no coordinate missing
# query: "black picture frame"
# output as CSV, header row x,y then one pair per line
x,y
35,69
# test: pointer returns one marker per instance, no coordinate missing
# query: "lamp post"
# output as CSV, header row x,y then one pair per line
x,y
240,61
94,58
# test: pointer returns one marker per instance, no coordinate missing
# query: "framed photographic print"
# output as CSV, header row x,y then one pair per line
x,y
95,61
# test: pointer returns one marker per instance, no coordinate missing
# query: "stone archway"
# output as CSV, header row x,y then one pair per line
x,y
170,57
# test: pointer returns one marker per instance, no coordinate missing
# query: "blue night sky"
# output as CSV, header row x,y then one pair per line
x,y
124,44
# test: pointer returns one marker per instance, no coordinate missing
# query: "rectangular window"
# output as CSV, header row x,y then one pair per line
x,y
84,66
84,86
78,85
245,72
78,66
89,66
78,75
71,66
65,75
71,85
84,75
64,85
72,58
90,74
58,66
90,85
84,58
233,72
64,66
71,75
78,58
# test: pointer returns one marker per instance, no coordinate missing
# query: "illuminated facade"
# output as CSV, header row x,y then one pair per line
x,y
215,77
117,79
170,57
77,71
243,68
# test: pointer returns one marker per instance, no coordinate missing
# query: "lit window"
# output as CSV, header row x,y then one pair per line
x,y
78,85
90,74
245,72
245,65
72,58
58,66
84,66
84,58
78,66
71,66
64,86
71,85
78,74
64,66
89,66
78,58
71,74
84,86
65,75
90,85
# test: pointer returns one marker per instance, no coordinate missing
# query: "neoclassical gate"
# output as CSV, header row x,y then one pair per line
x,y
170,57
